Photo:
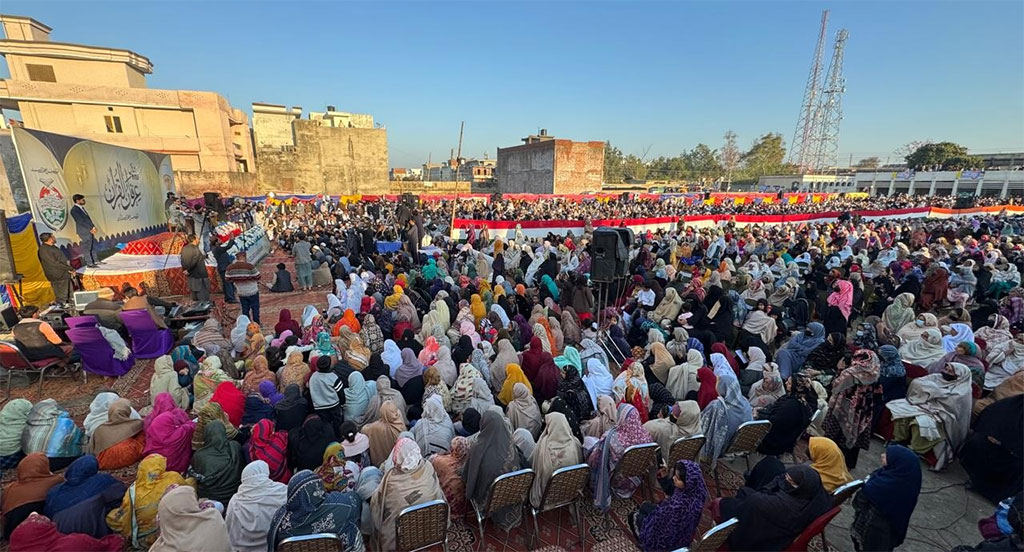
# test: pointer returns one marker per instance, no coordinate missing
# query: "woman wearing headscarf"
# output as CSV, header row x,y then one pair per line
x,y
823,362
598,380
239,333
170,435
462,392
383,433
384,393
357,396
449,467
828,461
231,401
119,441
604,420
187,525
767,390
13,418
83,482
892,375
492,454
410,481
217,465
607,453
310,509
792,355
571,326
50,430
966,353
352,349
446,366
38,532
771,517
935,417
252,508
556,448
912,330
293,372
165,380
271,447
898,314
669,307
135,518
523,411
210,375
683,420
924,350
434,431
882,508
759,324
840,304
722,417
27,493
291,410
571,388
673,522
707,390
659,361
392,356
258,373
371,335
934,287
99,411
207,414
410,379
682,378
285,323
306,443
513,375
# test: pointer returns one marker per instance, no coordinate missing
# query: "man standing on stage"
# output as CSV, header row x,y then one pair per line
x,y
246,280
85,229
56,268
193,262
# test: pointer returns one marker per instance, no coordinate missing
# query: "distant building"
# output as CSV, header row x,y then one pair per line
x,y
825,183
547,165
332,152
477,171
439,172
100,93
985,183
398,173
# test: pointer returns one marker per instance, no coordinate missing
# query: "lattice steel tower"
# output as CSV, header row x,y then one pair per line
x,y
803,148
830,108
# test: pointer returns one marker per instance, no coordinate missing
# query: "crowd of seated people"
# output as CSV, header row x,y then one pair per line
x,y
428,377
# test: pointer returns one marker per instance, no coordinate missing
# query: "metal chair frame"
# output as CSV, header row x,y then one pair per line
x,y
414,512
577,471
845,491
714,538
490,507
298,543
686,448
736,447
645,449
33,369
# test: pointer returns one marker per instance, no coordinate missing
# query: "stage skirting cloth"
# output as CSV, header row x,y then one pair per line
x,y
162,272
159,244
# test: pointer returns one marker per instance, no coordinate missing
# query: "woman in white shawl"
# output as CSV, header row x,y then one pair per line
x,y
958,333
356,291
723,416
392,356
334,305
98,412
556,448
682,378
505,321
444,313
434,430
936,415
1005,362
531,271
239,337
768,389
597,379
307,317
523,411
760,324
481,398
913,329
252,508
506,355
384,393
446,366
924,350
683,421
996,335
432,327
669,307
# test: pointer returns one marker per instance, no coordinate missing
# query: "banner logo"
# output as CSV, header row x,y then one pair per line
x,y
52,207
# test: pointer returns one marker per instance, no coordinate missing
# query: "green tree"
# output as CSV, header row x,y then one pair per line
x,y
703,162
668,168
614,162
634,168
765,156
937,155
961,162
868,163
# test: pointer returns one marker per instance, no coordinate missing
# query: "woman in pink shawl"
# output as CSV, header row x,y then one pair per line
x,y
170,435
840,303
607,453
163,402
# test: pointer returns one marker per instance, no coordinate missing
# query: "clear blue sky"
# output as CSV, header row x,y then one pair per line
x,y
663,76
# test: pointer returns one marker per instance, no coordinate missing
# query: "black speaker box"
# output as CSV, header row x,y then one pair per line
x,y
611,253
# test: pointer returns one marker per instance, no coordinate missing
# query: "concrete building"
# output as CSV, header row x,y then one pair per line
x,y
547,165
826,183
100,93
477,171
1002,184
331,152
440,172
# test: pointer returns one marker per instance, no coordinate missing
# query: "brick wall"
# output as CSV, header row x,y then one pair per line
x,y
579,167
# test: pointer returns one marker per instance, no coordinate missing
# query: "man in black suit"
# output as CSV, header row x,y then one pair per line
x,y
56,268
85,229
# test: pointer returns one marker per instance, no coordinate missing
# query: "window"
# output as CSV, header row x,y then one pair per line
x,y
40,73
113,123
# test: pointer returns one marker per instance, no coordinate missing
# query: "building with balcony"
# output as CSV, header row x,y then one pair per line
x,y
100,93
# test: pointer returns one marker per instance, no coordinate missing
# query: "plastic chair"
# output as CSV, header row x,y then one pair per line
x,y
844,492
13,359
148,341
97,354
713,540
639,461
510,489
685,448
817,527
745,441
317,542
421,526
564,488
